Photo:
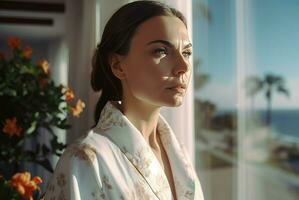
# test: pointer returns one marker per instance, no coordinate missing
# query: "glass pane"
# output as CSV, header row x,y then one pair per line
x,y
272,99
215,97
247,113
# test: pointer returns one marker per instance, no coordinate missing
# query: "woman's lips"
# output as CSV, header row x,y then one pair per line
x,y
178,89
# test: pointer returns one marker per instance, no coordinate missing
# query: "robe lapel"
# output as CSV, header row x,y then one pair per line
x,y
181,167
116,126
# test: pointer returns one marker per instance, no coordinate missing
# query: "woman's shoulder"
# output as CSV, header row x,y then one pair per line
x,y
93,147
80,164
93,139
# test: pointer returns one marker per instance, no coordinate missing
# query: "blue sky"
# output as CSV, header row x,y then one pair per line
x,y
273,35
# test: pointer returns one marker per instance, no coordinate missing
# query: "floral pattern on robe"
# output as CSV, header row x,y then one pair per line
x,y
113,161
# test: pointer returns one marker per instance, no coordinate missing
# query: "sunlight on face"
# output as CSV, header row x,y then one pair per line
x,y
157,66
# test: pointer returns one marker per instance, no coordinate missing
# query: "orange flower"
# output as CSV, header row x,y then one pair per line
x,y
44,65
27,52
13,42
24,186
10,127
78,108
69,95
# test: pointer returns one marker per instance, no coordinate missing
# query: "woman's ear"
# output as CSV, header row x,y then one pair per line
x,y
115,62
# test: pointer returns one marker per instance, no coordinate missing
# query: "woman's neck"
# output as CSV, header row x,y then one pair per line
x,y
144,117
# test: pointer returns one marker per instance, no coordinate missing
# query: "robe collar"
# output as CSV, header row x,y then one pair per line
x,y
114,125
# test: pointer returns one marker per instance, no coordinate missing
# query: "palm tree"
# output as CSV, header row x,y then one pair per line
x,y
253,85
268,84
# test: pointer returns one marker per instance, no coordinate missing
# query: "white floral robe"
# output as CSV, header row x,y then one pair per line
x,y
113,161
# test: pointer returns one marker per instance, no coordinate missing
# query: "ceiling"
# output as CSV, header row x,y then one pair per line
x,y
29,19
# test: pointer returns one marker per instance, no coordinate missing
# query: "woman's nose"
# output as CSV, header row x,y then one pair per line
x,y
181,66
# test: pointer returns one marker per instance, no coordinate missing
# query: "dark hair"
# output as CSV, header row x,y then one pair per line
x,y
116,38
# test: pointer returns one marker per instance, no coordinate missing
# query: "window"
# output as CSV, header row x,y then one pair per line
x,y
246,98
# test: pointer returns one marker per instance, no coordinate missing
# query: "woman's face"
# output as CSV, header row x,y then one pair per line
x,y
157,67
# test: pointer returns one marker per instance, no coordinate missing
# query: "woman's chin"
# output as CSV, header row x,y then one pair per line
x,y
175,101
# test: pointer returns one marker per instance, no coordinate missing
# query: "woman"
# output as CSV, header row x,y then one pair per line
x,y
141,64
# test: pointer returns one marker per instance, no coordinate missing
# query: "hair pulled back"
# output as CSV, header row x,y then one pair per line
x,y
116,38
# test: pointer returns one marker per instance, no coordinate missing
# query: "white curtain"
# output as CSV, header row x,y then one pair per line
x,y
82,35
85,21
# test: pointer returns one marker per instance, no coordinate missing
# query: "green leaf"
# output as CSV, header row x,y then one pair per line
x,y
36,195
32,127
10,92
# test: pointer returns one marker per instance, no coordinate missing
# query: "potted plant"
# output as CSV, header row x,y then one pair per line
x,y
30,101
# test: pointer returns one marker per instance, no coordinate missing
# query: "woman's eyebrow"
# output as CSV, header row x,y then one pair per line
x,y
167,43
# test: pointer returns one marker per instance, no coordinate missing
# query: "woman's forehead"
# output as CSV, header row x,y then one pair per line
x,y
168,28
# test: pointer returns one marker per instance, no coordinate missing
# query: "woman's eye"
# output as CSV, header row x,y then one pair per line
x,y
160,52
187,54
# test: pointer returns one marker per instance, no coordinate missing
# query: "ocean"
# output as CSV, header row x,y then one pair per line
x,y
285,122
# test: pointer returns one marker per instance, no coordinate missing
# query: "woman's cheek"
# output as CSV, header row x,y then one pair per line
x,y
166,68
